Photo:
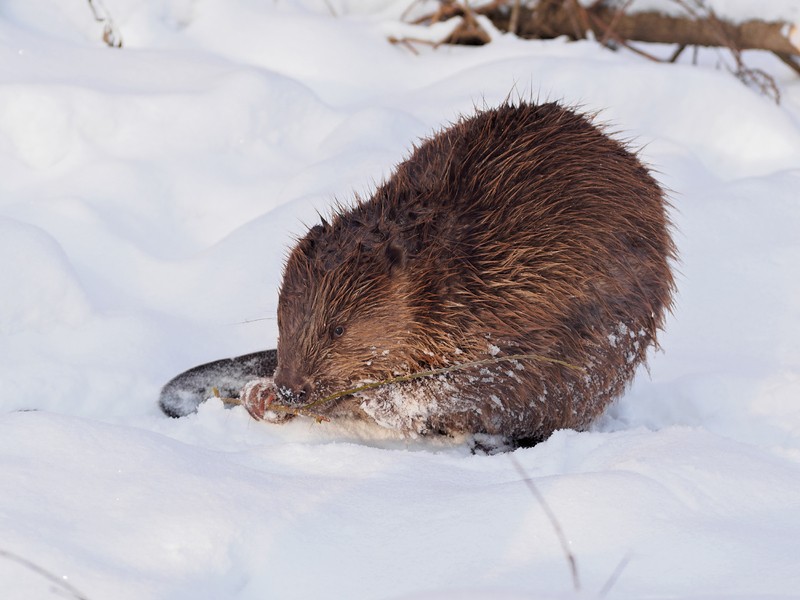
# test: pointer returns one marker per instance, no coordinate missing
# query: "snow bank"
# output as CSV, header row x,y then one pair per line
x,y
147,198
299,520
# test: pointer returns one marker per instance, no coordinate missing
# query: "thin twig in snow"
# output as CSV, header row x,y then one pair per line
x,y
54,579
614,576
573,565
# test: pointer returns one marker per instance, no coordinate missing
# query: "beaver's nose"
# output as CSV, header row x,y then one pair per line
x,y
292,387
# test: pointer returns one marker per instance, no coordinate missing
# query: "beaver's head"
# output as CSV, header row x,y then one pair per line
x,y
345,311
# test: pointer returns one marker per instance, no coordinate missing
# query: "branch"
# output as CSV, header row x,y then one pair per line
x,y
553,18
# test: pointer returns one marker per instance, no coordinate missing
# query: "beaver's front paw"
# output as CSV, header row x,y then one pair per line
x,y
257,396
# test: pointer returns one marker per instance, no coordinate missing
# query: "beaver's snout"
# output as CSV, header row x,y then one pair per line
x,y
292,387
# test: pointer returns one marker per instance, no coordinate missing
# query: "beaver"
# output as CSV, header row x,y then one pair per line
x,y
521,254
523,229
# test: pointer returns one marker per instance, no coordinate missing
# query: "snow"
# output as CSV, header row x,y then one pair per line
x,y
148,196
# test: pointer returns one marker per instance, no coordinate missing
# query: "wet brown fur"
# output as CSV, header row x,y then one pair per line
x,y
524,228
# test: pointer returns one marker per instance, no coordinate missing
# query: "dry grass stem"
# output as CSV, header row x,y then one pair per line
x,y
570,558
408,42
59,582
614,576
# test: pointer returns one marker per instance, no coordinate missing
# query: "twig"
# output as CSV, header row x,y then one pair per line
x,y
304,408
58,581
407,43
440,371
615,576
447,10
678,51
513,22
573,565
608,32
614,20
757,78
246,321
638,51
330,8
111,35
92,7
408,10
292,410
580,20
789,61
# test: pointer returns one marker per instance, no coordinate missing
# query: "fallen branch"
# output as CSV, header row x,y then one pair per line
x,y
554,18
618,25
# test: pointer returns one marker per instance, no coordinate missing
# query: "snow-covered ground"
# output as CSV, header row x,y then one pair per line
x,y
147,198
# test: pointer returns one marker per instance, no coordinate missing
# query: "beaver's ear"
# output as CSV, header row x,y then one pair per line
x,y
396,257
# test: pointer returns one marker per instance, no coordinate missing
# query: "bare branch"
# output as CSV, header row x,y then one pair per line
x,y
553,18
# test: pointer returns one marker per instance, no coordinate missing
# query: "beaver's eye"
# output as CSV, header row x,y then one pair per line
x,y
338,331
